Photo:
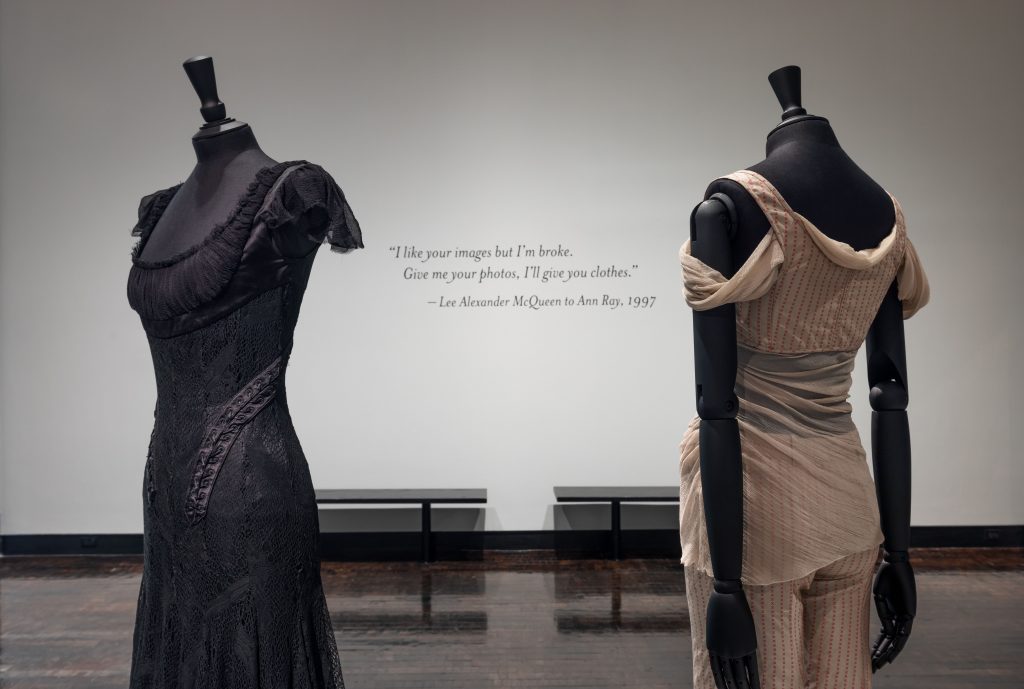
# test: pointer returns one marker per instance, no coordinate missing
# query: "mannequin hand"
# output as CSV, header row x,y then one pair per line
x,y
896,601
731,638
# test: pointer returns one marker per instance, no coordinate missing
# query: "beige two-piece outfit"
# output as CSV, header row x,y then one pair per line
x,y
804,304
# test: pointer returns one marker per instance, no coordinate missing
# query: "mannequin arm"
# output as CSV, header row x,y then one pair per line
x,y
894,587
731,638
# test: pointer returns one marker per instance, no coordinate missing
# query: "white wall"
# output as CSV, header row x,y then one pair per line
x,y
592,124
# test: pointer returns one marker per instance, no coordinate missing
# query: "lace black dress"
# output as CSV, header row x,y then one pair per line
x,y
231,596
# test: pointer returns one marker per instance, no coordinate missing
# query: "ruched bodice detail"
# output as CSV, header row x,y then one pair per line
x,y
803,394
268,239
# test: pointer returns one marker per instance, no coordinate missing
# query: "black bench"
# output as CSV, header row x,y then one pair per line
x,y
399,496
616,495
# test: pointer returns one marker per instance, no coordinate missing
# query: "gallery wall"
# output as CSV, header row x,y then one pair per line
x,y
494,126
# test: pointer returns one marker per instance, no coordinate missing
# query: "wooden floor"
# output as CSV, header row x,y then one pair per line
x,y
509,621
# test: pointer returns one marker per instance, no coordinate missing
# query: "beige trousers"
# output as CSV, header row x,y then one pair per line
x,y
812,633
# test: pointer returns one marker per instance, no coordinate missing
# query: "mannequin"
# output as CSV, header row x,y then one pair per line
x,y
806,164
228,157
231,594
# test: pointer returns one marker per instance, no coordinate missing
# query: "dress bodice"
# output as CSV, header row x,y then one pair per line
x,y
801,291
269,239
220,315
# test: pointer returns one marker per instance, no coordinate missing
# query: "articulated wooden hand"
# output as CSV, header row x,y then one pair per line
x,y
731,639
896,601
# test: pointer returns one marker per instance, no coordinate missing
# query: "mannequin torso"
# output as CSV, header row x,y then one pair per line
x,y
226,165
819,180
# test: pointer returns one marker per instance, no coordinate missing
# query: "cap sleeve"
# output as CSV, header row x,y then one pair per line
x,y
309,208
912,283
705,288
150,208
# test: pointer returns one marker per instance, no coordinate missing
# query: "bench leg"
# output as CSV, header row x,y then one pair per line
x,y
425,549
616,529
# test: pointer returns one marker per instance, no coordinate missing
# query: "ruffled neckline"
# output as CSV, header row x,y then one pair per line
x,y
242,212
837,251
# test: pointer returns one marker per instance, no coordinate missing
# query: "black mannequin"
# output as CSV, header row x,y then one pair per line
x,y
228,158
805,162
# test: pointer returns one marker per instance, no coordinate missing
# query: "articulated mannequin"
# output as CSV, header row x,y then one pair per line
x,y
231,594
806,178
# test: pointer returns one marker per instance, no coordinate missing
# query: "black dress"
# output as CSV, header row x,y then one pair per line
x,y
231,594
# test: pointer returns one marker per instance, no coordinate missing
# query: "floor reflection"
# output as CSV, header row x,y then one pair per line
x,y
621,600
509,623
387,603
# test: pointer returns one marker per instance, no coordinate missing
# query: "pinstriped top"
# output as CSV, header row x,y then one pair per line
x,y
804,304
800,290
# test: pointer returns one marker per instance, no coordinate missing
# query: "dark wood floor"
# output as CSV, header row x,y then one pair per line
x,y
509,621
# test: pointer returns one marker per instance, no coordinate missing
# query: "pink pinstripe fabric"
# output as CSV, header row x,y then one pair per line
x,y
804,304
812,633
800,290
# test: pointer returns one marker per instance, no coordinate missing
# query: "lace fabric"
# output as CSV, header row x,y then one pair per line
x,y
231,593
804,304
